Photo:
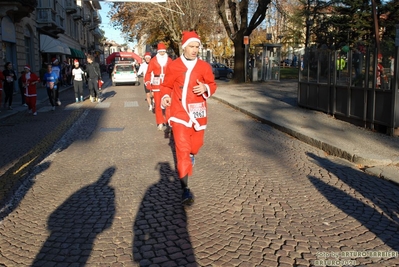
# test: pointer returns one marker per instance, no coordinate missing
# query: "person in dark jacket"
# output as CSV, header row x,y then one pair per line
x,y
9,78
93,73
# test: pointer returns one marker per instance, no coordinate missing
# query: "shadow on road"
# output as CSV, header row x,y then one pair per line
x,y
76,223
160,228
380,216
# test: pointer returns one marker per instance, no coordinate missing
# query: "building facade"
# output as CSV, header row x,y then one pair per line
x,y
36,31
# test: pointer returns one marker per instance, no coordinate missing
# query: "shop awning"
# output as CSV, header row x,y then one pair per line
x,y
75,53
53,46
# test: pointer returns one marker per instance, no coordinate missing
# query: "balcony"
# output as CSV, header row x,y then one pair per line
x,y
97,33
48,21
18,9
97,16
70,6
78,14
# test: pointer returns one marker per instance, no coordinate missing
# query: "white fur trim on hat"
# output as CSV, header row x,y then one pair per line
x,y
189,37
191,40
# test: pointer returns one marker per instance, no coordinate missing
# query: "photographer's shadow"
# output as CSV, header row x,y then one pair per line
x,y
76,223
160,226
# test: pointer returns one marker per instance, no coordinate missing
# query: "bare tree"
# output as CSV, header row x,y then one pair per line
x,y
164,21
234,15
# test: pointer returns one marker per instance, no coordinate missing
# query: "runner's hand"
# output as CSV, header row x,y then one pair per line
x,y
166,101
199,89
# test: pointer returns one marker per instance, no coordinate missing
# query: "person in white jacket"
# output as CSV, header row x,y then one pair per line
x,y
142,71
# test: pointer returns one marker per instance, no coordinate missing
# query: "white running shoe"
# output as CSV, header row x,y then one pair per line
x,y
150,107
34,114
58,102
161,127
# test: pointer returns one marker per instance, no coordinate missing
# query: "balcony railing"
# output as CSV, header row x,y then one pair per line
x,y
78,14
97,16
45,15
70,6
49,20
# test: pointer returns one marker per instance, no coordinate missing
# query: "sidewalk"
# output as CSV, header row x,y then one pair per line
x,y
275,103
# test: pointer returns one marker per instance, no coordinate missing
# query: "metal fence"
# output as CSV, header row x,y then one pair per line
x,y
357,86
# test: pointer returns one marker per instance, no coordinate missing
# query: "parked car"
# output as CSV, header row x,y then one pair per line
x,y
124,73
220,70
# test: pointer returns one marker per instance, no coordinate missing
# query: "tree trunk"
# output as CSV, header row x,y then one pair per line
x,y
239,59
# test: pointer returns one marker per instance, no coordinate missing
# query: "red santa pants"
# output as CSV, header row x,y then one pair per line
x,y
159,116
31,102
187,141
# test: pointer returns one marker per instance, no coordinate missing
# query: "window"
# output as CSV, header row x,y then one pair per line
x,y
28,47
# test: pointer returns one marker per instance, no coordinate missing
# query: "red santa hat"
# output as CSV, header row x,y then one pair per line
x,y
54,60
147,54
161,47
27,67
75,61
189,37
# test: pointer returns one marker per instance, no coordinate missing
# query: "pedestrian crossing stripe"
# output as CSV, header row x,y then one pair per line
x,y
103,105
129,104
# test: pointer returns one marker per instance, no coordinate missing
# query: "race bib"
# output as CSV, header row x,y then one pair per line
x,y
9,79
156,81
197,110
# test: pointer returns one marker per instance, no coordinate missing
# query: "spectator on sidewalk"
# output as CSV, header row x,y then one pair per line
x,y
341,64
142,71
93,73
78,76
50,80
30,80
9,78
57,70
380,79
21,89
153,80
189,82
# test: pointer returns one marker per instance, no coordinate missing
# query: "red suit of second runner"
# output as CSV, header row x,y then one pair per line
x,y
154,77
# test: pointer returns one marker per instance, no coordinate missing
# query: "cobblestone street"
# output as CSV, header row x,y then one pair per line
x,y
107,194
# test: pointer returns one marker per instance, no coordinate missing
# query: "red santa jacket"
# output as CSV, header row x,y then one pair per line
x,y
156,71
187,108
29,80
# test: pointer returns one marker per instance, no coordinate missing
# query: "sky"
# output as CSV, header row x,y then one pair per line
x,y
110,32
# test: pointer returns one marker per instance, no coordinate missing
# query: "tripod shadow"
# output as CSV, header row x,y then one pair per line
x,y
76,223
160,226
379,215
